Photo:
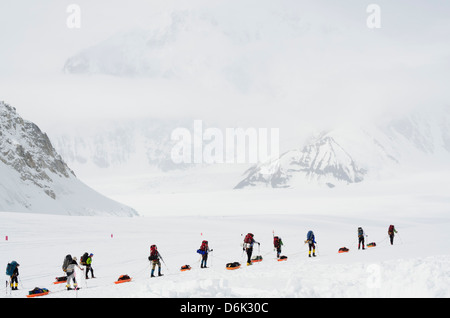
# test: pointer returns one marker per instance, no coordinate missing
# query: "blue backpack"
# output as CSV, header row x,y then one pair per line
x,y
310,236
10,268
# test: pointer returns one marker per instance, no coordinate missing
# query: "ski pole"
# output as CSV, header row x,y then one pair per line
x,y
211,258
400,238
20,282
273,238
163,261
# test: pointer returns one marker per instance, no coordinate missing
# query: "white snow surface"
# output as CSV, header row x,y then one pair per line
x,y
417,265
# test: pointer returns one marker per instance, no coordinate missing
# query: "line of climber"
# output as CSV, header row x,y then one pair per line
x,y
155,258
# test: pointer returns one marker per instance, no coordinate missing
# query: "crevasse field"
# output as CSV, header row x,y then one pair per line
x,y
417,265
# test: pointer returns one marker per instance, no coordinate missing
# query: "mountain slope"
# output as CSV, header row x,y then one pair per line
x,y
324,161
418,142
36,179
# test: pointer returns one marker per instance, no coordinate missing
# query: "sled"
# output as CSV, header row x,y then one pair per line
x,y
343,250
123,279
60,280
282,258
257,259
233,266
38,292
185,268
373,244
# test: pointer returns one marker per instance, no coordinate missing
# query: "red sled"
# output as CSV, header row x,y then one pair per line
x,y
123,279
282,258
185,268
60,280
257,259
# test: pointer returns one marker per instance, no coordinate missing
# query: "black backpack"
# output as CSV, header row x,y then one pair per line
x,y
360,231
84,258
67,261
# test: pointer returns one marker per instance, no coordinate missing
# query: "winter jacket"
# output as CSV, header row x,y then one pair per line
x,y
71,267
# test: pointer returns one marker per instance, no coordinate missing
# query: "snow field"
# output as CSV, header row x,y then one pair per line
x,y
417,265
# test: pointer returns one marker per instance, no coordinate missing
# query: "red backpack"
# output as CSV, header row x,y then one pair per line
x,y
204,246
153,252
391,229
248,238
276,241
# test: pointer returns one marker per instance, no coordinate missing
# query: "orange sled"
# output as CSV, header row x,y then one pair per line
x,y
60,280
185,268
123,279
343,250
257,259
38,292
233,266
282,258
37,295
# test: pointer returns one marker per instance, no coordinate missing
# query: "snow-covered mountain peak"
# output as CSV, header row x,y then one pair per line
x,y
414,143
34,177
29,151
323,160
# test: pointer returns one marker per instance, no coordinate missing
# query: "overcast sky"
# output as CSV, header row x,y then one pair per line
x,y
293,62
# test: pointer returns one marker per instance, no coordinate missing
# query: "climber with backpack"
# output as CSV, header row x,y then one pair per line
x,y
391,231
277,243
154,258
361,236
311,240
12,270
249,241
86,260
204,250
69,265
